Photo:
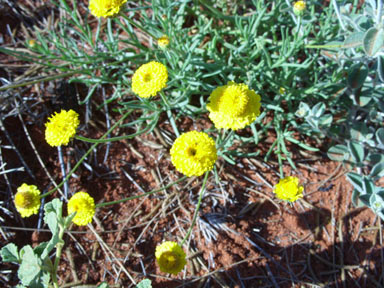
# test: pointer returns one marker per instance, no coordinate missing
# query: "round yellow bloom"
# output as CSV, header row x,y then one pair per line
x,y
288,189
163,41
299,7
233,106
61,127
27,200
149,79
105,8
84,206
193,153
170,257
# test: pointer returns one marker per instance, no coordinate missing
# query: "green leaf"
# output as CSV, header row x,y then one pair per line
x,y
55,206
373,41
354,40
375,158
357,151
377,170
50,218
41,281
30,266
357,75
10,253
39,249
302,145
146,283
368,186
380,136
357,181
338,153
103,285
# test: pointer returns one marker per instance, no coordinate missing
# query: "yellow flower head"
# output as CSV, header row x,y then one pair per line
x,y
299,7
193,153
170,257
282,90
27,200
105,8
288,189
61,127
233,106
163,41
149,79
84,206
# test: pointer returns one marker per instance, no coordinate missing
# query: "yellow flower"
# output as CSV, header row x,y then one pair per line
x,y
170,257
282,90
105,8
299,7
61,127
149,79
163,41
288,189
84,206
27,200
233,106
193,153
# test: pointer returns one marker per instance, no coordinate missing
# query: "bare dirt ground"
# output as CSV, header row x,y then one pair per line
x,y
244,237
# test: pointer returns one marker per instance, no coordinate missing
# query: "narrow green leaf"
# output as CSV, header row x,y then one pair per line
x,y
373,41
302,145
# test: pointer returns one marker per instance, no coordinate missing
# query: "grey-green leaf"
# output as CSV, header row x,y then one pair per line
x,y
380,136
354,40
10,253
55,206
357,75
30,266
146,283
373,41
357,151
338,153
377,170
357,181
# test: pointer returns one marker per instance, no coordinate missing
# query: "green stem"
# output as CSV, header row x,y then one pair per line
x,y
169,114
49,78
202,190
59,249
141,195
118,138
85,156
137,25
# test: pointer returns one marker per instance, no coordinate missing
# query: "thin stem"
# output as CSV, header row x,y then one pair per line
x,y
338,14
85,156
169,113
141,195
59,249
62,167
379,12
202,190
137,25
